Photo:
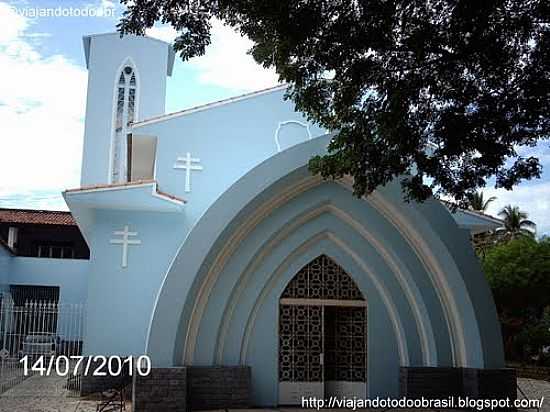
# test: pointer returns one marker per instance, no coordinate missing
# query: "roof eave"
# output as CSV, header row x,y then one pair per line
x,y
119,196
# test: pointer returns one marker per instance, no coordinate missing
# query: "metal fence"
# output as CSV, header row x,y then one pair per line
x,y
37,341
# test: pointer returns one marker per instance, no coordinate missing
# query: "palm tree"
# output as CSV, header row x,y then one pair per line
x,y
516,223
477,202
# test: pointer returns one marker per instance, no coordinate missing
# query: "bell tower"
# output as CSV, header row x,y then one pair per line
x,y
126,83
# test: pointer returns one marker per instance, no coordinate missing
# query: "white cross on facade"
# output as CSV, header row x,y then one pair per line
x,y
186,162
125,241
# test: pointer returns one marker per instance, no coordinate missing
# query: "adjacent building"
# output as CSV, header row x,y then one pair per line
x,y
43,256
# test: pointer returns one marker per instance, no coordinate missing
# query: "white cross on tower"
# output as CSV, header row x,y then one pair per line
x,y
186,163
125,241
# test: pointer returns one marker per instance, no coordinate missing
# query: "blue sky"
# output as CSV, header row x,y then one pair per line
x,y
43,91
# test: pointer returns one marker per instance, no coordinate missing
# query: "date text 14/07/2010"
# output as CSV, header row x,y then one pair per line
x,y
86,365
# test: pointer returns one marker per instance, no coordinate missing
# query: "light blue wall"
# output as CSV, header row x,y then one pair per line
x,y
106,55
121,300
229,139
228,148
71,275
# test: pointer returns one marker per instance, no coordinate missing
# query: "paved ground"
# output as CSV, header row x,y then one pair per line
x,y
46,394
534,389
10,375
43,394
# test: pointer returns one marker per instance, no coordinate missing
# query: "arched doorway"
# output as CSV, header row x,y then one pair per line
x,y
322,335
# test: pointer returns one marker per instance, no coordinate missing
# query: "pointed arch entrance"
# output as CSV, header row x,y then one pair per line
x,y
322,335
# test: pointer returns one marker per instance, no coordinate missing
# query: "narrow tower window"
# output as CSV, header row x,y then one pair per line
x,y
124,114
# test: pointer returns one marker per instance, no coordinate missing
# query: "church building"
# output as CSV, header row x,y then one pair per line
x,y
211,244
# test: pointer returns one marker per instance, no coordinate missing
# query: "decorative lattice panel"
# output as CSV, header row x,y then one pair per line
x,y
345,344
322,279
300,343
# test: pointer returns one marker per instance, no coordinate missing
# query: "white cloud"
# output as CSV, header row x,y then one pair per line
x,y
533,198
42,102
226,62
105,8
12,24
164,33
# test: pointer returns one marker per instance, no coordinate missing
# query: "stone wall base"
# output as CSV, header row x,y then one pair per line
x,y
490,383
191,388
163,390
439,383
218,387
431,383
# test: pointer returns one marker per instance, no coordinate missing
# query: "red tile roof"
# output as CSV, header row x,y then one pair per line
x,y
41,217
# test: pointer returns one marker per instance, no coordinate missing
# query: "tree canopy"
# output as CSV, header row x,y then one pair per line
x,y
516,223
441,94
518,272
477,201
